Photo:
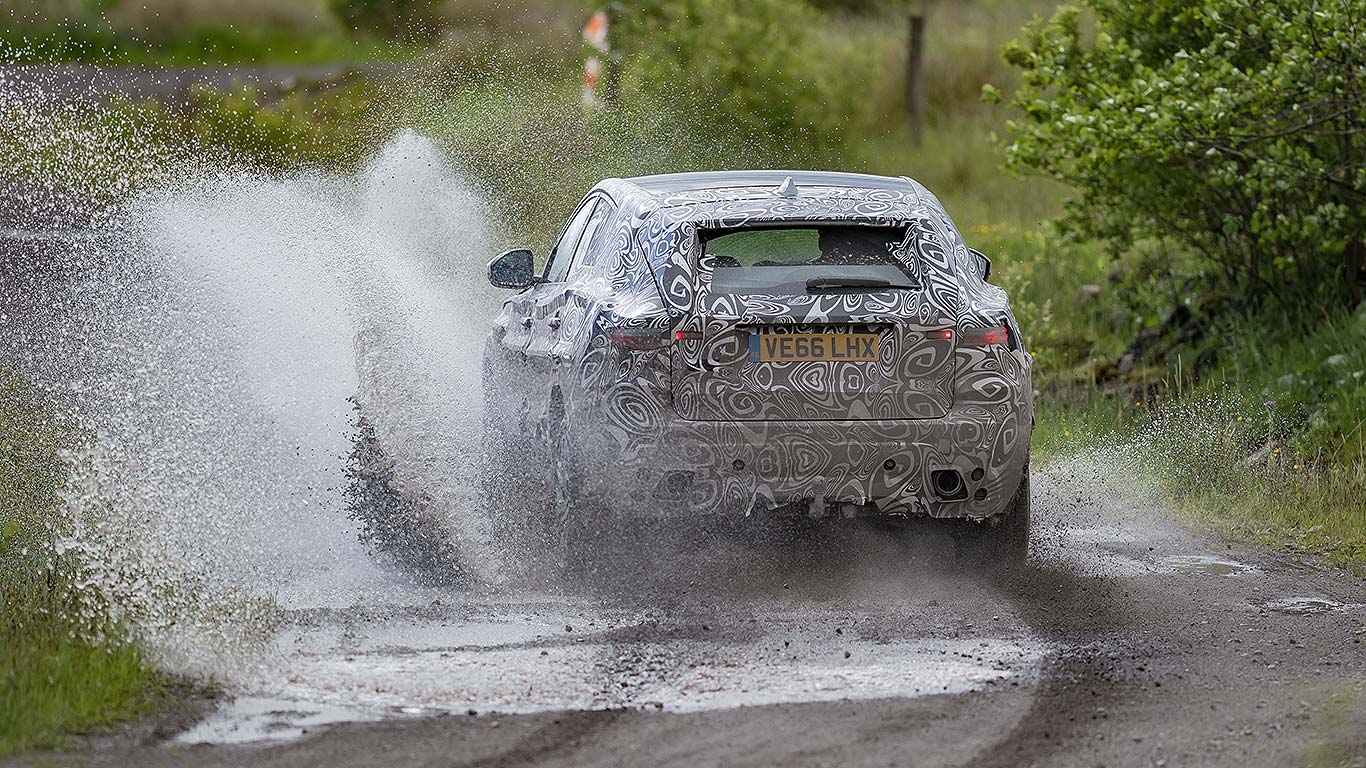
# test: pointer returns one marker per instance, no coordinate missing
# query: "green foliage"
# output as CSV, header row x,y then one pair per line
x,y
1318,382
296,131
1231,471
98,44
103,156
1271,448
393,19
1233,128
534,157
861,7
58,674
743,69
185,32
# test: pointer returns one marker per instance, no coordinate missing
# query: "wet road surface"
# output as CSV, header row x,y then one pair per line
x,y
1131,640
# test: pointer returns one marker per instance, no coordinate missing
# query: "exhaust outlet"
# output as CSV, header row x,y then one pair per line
x,y
948,485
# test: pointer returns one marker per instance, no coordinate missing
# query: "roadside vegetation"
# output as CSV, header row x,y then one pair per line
x,y
64,670
1223,140
197,32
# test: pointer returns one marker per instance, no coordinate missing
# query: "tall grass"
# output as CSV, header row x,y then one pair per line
x,y
1268,446
184,32
62,670
1226,465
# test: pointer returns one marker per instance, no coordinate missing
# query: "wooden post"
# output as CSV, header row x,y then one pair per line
x,y
915,73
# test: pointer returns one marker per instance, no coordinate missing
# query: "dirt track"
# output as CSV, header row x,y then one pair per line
x,y
1131,641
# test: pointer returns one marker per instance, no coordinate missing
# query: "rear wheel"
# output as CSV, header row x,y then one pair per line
x,y
585,528
581,525
1003,541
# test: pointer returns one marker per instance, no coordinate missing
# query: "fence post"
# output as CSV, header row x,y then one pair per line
x,y
915,72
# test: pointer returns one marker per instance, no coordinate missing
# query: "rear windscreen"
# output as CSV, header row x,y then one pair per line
x,y
808,259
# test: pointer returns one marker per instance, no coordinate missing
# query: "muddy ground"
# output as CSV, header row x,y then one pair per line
x,y
1130,640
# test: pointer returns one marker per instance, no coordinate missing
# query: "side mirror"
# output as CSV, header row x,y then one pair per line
x,y
513,269
983,263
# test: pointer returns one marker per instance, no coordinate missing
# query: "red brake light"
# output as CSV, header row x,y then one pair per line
x,y
945,334
639,338
998,335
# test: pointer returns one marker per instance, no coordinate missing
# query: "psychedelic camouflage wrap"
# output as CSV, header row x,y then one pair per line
x,y
696,427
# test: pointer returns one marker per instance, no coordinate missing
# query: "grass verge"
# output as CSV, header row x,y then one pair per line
x,y
1268,448
63,670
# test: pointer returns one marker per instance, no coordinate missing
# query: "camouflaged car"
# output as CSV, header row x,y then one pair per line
x,y
762,343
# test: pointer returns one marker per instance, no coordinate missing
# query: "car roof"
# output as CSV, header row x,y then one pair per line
x,y
671,183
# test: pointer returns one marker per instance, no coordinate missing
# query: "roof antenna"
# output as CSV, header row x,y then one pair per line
x,y
787,189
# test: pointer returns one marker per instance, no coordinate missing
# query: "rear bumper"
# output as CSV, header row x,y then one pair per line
x,y
864,467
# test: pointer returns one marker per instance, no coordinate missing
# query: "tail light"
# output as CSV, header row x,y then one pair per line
x,y
640,338
986,337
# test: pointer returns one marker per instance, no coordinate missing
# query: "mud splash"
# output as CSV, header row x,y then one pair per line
x,y
209,342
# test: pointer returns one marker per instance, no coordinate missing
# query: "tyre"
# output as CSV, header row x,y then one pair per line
x,y
603,547
1002,541
586,530
1014,531
392,523
517,505
578,520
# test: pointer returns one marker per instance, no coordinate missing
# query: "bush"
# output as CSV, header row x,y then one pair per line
x,y
744,69
236,127
394,19
1235,129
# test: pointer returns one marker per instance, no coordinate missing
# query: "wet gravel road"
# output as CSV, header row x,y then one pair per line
x,y
1131,640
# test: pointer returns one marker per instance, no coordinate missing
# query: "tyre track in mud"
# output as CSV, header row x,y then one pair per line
x,y
1155,673
1076,677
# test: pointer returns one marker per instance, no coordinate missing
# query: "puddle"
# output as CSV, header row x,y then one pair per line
x,y
1203,564
901,671
676,677
517,663
1305,605
250,719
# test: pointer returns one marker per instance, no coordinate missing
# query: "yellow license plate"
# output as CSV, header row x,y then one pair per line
x,y
801,347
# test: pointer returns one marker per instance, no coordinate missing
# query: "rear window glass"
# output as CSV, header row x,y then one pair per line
x,y
808,259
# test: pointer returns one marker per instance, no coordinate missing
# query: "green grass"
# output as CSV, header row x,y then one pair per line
x,y
52,687
1202,467
202,45
185,32
106,154
64,669
1291,474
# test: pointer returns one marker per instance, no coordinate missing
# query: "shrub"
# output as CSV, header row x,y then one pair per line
x,y
395,19
238,128
1235,129
750,69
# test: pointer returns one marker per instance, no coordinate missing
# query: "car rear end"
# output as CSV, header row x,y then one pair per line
x,y
826,362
